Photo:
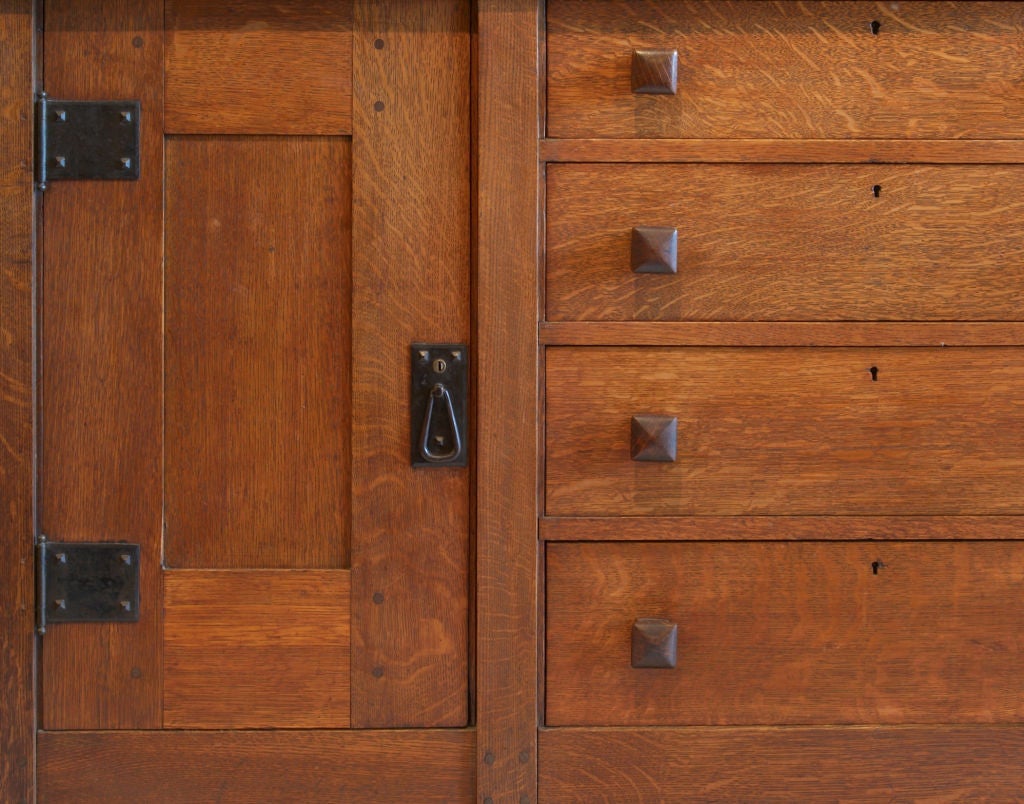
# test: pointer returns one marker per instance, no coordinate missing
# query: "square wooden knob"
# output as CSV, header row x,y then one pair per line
x,y
654,642
654,250
653,438
655,72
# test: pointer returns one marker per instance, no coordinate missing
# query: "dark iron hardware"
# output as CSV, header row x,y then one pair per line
x,y
438,404
87,582
86,140
654,642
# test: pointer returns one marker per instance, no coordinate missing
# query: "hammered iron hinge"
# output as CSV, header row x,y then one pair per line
x,y
86,140
87,582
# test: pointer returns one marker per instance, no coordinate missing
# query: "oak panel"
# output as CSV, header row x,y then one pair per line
x,y
788,242
939,152
509,60
319,767
778,528
259,67
788,633
17,588
630,766
766,333
256,649
411,263
789,70
788,431
258,301
100,375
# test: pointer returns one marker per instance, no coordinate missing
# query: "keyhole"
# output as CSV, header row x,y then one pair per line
x,y
875,25
440,366
874,373
876,566
877,190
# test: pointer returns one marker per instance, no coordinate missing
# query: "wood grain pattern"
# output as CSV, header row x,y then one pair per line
x,y
17,588
789,243
508,70
788,633
627,766
258,301
100,389
750,69
745,333
259,67
780,528
256,649
788,431
318,767
940,152
411,263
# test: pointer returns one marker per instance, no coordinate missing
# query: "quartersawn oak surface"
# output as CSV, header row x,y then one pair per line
x,y
318,767
411,270
101,395
854,765
17,581
259,67
257,378
506,295
789,70
788,431
788,242
770,333
769,528
788,633
256,649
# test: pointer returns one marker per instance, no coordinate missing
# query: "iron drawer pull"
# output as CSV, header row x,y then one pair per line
x,y
438,392
654,643
654,72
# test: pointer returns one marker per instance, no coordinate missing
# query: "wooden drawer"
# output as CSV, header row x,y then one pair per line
x,y
800,431
787,69
787,633
784,242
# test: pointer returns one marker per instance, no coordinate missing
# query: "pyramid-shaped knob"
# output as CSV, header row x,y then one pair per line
x,y
654,72
653,438
654,250
654,642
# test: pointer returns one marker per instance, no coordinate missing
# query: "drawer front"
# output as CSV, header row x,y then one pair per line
x,y
798,431
787,633
785,70
784,242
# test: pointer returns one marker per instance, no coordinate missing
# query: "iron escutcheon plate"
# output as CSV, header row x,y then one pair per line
x,y
446,429
90,582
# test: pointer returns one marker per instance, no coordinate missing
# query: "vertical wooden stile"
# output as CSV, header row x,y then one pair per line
x,y
410,269
17,725
101,444
507,304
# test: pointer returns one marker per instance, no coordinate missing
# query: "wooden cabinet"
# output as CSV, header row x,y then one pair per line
x,y
739,283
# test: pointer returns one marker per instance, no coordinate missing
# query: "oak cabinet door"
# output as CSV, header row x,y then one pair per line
x,y
225,349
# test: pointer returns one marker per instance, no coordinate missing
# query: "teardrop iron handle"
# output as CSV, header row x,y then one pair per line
x,y
440,392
